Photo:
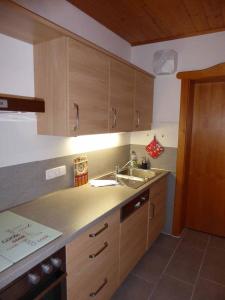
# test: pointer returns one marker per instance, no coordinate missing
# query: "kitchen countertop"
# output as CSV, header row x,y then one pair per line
x,y
70,211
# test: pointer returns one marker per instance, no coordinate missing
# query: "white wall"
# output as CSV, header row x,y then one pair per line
x,y
68,16
19,142
193,53
16,67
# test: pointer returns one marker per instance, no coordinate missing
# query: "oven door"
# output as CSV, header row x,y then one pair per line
x,y
55,290
52,288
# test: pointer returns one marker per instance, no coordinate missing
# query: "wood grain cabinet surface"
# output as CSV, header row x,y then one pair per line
x,y
93,261
74,81
143,101
121,96
133,240
157,209
87,91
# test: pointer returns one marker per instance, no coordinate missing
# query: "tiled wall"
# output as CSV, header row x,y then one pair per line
x,y
24,182
167,160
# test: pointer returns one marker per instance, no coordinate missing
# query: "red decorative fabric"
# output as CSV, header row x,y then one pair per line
x,y
154,148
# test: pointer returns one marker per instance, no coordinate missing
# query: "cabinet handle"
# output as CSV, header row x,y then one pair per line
x,y
138,118
143,198
77,120
138,204
153,210
106,225
99,251
93,294
114,110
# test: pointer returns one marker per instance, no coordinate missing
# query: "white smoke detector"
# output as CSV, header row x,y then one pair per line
x,y
165,62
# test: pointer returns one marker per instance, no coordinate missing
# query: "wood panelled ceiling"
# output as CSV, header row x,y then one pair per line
x,y
149,21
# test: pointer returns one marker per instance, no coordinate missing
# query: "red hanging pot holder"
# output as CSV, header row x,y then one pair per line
x,y
154,148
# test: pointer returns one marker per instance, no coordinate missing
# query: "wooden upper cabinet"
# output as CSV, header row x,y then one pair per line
x,y
121,96
143,101
88,89
88,92
74,81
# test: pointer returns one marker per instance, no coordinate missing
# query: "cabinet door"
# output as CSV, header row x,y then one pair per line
x,y
121,96
157,209
88,90
133,240
143,101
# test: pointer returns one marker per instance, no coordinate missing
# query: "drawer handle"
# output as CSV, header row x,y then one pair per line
x,y
137,205
143,198
93,294
99,251
153,210
106,225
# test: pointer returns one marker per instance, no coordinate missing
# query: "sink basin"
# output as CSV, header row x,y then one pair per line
x,y
132,177
139,173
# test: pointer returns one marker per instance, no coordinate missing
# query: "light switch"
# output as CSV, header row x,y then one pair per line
x,y
55,172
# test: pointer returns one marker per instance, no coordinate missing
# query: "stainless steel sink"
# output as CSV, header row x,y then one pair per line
x,y
132,177
139,173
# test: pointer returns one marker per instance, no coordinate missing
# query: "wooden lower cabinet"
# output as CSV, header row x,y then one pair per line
x,y
100,259
133,240
156,209
93,261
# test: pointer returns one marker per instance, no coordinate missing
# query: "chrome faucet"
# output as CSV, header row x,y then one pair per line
x,y
131,162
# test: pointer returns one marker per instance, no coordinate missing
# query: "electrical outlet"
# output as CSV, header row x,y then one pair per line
x,y
55,172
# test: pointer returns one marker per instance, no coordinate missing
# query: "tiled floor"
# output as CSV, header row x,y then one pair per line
x,y
189,268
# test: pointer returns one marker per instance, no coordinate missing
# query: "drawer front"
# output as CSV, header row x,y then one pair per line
x,y
158,187
93,261
99,281
133,240
94,242
134,204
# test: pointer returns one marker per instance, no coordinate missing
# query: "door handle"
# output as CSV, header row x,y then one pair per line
x,y
138,118
153,210
114,110
77,117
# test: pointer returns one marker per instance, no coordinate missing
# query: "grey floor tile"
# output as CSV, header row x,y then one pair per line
x,y
207,290
172,289
167,241
133,288
153,263
217,242
185,263
214,265
195,239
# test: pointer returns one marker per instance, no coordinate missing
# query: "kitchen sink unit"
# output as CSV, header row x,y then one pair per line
x,y
132,177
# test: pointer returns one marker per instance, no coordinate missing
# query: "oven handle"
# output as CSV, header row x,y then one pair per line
x,y
51,286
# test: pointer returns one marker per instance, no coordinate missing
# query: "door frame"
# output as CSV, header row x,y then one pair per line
x,y
188,80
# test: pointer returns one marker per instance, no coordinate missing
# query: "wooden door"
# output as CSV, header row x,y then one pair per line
x,y
206,173
121,96
88,89
143,101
